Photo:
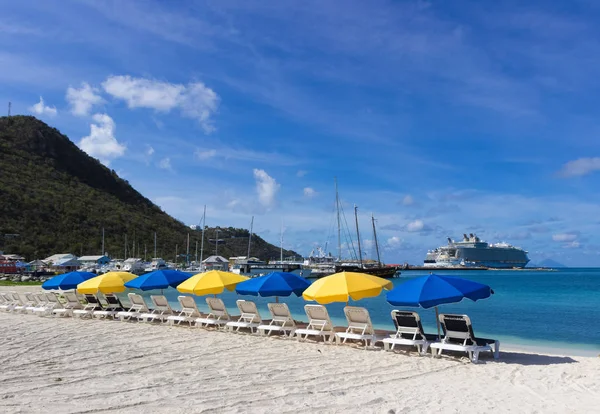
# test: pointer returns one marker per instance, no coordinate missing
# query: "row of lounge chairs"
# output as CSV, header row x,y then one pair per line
x,y
458,330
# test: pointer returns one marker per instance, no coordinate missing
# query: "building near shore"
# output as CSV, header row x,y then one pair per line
x,y
215,263
93,260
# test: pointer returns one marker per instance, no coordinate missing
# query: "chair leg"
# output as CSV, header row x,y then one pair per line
x,y
497,350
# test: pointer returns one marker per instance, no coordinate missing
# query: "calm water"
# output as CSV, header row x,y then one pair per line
x,y
558,309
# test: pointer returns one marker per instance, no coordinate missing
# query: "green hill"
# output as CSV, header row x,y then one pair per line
x,y
54,198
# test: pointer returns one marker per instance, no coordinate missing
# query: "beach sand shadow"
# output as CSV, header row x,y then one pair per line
x,y
519,358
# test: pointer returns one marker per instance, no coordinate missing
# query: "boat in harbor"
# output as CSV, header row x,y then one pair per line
x,y
471,251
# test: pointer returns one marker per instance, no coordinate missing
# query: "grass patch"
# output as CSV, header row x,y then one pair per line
x,y
11,283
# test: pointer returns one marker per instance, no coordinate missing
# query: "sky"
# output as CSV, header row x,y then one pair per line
x,y
438,118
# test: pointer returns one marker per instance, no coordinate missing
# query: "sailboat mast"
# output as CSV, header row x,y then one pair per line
x,y
155,245
358,235
339,231
375,238
202,241
250,238
125,248
187,252
102,252
281,243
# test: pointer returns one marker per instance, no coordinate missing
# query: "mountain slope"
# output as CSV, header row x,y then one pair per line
x,y
54,198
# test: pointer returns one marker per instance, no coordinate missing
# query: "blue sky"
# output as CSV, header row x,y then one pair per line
x,y
439,117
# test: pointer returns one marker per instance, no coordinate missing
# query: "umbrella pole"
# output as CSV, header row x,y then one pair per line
x,y
276,299
437,321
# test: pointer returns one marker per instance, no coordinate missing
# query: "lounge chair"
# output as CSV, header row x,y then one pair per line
x,y
29,303
360,327
249,317
189,311
23,304
409,331
5,301
281,321
112,308
92,305
217,316
14,300
40,302
459,336
319,323
72,303
18,303
162,310
51,304
137,307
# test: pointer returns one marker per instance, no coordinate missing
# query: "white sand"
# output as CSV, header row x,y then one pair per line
x,y
83,366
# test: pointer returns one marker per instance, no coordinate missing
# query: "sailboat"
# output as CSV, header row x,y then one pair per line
x,y
372,268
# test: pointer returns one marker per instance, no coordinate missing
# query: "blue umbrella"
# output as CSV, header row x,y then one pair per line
x,y
433,290
159,279
274,284
67,281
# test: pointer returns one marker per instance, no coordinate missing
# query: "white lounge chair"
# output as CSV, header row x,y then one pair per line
x,y
18,303
13,300
249,317
281,321
217,316
162,310
92,305
409,332
23,304
30,302
72,303
112,308
360,327
51,304
137,307
319,324
5,301
189,311
459,336
40,302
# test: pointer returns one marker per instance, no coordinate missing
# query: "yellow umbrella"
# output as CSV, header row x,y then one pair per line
x,y
212,282
111,282
340,287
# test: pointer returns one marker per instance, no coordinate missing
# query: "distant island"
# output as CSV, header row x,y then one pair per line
x,y
54,198
547,263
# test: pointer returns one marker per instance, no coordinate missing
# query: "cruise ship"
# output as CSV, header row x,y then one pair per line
x,y
473,252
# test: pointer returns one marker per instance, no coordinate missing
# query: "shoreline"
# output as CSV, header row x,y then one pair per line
x,y
514,344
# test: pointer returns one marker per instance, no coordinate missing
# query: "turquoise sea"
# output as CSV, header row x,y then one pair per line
x,y
537,310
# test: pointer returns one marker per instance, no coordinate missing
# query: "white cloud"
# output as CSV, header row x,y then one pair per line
x,y
150,151
301,173
408,200
581,166
165,164
416,225
266,187
309,192
41,109
205,154
572,245
564,237
394,242
194,100
83,99
101,143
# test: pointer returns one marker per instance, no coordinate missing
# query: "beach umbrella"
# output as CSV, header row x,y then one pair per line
x,y
67,281
340,287
274,284
158,279
111,282
434,290
212,282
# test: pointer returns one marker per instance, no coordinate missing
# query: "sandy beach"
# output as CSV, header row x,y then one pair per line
x,y
84,366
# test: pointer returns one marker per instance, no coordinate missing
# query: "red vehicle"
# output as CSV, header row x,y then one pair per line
x,y
8,266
